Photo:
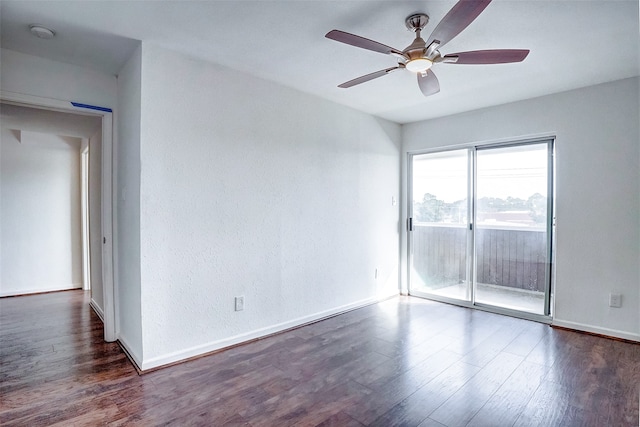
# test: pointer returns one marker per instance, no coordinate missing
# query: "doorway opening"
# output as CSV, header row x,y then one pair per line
x,y
100,240
481,227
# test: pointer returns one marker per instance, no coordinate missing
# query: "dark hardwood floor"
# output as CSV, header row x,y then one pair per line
x,y
405,361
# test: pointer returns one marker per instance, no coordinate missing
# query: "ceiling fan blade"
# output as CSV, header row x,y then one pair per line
x,y
457,19
429,84
367,77
495,56
361,42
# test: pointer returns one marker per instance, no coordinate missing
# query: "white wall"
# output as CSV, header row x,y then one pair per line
x,y
95,224
127,153
597,198
249,188
33,75
41,246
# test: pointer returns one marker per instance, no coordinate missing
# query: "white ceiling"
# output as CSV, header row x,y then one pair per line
x,y
573,44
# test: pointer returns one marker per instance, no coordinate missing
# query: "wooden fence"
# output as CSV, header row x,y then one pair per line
x,y
505,257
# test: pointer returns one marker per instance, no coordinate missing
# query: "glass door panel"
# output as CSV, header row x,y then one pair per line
x,y
512,227
440,216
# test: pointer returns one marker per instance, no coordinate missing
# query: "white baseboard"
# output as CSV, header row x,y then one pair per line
x,y
167,359
41,290
133,356
97,309
596,330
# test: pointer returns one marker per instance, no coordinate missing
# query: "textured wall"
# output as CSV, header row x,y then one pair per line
x,y
32,75
249,188
41,246
127,243
597,192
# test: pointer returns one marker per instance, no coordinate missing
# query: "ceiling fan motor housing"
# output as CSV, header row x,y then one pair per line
x,y
417,48
417,21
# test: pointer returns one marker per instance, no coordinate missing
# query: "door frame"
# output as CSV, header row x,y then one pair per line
x,y
550,267
108,219
84,208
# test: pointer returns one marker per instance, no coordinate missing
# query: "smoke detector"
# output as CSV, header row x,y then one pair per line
x,y
41,32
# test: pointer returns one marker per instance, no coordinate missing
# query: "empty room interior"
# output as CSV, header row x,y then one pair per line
x,y
336,213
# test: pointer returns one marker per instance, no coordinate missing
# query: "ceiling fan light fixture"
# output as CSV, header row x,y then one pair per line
x,y
419,65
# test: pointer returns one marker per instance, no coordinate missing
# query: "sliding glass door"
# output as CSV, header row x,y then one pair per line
x,y
480,226
439,224
512,189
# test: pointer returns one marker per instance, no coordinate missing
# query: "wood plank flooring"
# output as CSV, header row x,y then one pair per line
x,y
403,362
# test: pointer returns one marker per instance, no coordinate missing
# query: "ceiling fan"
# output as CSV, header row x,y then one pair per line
x,y
420,56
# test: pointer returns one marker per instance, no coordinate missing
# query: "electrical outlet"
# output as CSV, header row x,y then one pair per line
x,y
239,303
615,300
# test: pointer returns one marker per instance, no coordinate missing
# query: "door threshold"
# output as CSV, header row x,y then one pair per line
x,y
540,318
